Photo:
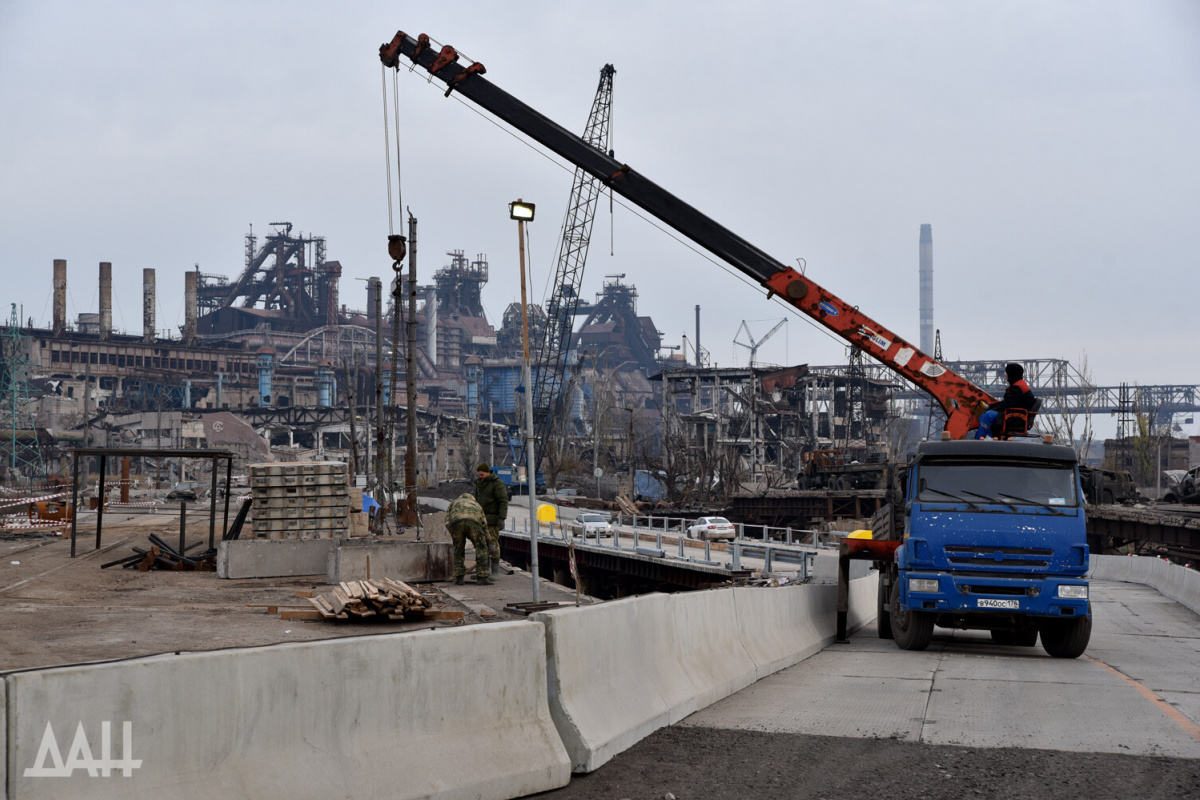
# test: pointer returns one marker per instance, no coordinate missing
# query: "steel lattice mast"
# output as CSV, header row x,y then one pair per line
x,y
572,254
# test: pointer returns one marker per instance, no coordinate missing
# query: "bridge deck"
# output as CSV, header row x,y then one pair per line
x,y
964,690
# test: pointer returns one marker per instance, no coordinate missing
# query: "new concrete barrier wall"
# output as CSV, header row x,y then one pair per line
x,y
621,670
457,713
1171,580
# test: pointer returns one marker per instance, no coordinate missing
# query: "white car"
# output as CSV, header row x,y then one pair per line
x,y
590,524
712,528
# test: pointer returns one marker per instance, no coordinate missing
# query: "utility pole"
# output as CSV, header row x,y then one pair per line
x,y
380,432
523,212
409,517
632,466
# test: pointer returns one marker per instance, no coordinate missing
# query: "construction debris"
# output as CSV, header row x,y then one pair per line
x,y
381,598
161,555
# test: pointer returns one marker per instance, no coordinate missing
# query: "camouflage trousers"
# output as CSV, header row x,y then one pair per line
x,y
493,542
459,533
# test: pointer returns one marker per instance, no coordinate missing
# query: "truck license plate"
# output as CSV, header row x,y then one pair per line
x,y
985,602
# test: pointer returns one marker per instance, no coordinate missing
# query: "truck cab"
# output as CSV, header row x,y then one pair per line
x,y
992,536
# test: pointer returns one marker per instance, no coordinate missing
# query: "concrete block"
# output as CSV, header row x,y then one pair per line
x,y
606,699
3,739
453,713
273,558
402,561
667,656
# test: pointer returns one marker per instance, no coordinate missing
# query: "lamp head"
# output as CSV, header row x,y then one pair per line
x,y
521,211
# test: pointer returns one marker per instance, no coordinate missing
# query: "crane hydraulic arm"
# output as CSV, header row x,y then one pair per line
x,y
962,400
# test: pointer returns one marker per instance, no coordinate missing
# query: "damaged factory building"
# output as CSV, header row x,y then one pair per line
x,y
269,361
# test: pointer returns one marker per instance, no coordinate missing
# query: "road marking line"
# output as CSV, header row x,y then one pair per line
x,y
1189,727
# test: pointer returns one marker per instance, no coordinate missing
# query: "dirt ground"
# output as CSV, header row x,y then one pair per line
x,y
59,610
711,764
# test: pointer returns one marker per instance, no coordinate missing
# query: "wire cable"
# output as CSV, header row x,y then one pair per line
x,y
396,112
387,150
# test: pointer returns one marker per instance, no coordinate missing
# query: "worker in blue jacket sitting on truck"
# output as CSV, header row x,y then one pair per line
x,y
1017,396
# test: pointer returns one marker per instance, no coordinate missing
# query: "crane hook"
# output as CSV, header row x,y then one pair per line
x,y
397,249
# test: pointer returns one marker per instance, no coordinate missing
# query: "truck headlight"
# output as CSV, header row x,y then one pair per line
x,y
1067,592
922,584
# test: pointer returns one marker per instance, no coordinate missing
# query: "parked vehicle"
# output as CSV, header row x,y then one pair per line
x,y
1108,487
992,536
590,523
184,490
708,528
1186,489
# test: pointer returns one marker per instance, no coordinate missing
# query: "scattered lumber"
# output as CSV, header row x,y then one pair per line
x,y
626,505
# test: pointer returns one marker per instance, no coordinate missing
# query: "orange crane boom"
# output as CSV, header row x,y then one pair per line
x,y
961,399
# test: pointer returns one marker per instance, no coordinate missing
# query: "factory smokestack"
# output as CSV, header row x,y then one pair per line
x,y
105,299
189,306
927,289
60,295
148,305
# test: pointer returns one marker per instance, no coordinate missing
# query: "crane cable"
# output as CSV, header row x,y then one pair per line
x,y
389,414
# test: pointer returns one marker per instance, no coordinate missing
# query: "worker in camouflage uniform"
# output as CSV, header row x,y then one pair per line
x,y
465,520
492,495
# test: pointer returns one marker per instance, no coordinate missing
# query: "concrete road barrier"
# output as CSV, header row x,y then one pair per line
x,y
1171,580
272,558
458,713
359,559
667,656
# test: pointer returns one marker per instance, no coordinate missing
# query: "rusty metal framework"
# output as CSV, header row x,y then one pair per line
x,y
287,282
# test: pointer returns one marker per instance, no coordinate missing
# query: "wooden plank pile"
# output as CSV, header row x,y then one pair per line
x,y
381,598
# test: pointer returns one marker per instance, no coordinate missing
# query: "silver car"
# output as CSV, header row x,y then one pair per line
x,y
590,524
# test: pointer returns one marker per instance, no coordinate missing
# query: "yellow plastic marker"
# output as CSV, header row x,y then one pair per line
x,y
860,535
547,513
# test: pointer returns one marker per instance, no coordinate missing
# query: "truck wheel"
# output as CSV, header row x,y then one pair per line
x,y
912,630
884,614
1067,638
1015,638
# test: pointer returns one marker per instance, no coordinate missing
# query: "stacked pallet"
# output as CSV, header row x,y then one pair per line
x,y
382,597
301,500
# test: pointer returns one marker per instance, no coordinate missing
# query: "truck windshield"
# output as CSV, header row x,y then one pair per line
x,y
1031,483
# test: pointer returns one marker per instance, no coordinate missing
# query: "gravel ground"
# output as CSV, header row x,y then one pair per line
x,y
712,764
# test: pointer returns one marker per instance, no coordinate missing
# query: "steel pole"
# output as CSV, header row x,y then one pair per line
x,y
530,462
380,434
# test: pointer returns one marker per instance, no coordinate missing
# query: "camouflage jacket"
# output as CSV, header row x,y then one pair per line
x,y
492,495
465,509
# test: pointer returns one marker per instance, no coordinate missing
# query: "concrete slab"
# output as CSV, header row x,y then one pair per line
x,y
272,558
1107,716
965,690
358,559
804,700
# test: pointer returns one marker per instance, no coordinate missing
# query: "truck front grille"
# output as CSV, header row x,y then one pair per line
x,y
984,555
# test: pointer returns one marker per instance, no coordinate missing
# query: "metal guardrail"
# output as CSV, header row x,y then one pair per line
x,y
650,544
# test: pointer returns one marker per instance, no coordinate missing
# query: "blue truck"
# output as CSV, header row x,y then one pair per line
x,y
989,535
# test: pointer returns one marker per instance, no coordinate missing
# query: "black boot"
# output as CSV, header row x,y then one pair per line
x,y
484,581
459,581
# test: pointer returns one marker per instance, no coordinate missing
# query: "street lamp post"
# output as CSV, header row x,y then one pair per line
x,y
522,212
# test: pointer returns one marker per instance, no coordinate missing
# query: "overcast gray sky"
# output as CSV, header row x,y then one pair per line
x,y
1052,146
